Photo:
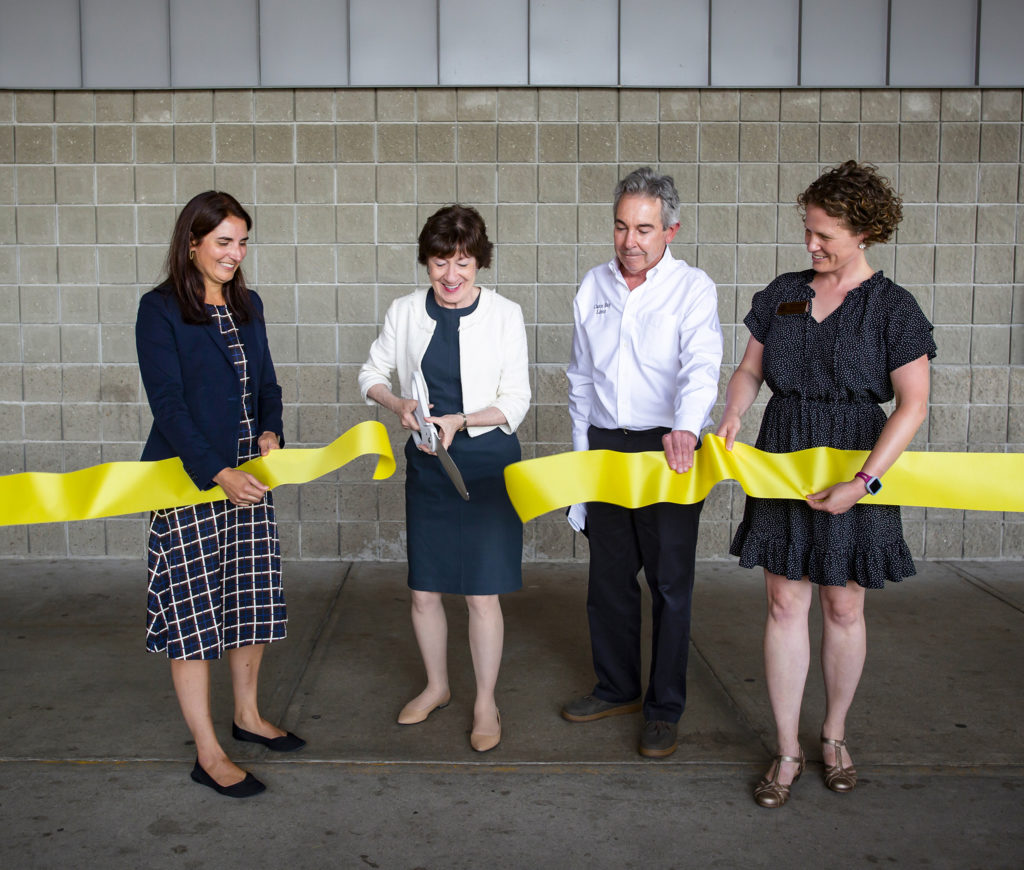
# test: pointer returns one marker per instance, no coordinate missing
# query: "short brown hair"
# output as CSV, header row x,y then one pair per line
x,y
861,198
455,229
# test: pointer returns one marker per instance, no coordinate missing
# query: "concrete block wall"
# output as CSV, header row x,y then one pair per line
x,y
339,183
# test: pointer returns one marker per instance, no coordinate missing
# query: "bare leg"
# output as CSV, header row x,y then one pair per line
x,y
787,656
431,628
245,669
843,650
486,637
192,685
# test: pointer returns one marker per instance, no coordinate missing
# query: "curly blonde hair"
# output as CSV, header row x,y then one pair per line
x,y
858,196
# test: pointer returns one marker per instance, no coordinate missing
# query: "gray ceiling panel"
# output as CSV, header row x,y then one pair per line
x,y
843,43
574,42
394,42
40,44
109,59
932,43
664,43
484,43
754,44
303,43
214,44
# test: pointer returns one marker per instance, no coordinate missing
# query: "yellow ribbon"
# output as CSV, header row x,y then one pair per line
x,y
965,481
131,487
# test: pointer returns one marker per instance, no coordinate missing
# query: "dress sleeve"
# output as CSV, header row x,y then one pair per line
x,y
908,333
762,306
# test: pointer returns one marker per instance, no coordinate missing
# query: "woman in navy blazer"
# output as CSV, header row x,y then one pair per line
x,y
214,569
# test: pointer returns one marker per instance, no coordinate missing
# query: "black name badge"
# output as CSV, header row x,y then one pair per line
x,y
799,307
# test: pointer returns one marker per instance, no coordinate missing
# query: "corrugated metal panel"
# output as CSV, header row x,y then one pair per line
x,y
303,43
932,43
126,41
664,43
484,43
1001,56
574,42
394,42
214,44
40,45
754,44
843,43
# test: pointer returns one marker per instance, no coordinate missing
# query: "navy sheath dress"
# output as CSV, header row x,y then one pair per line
x,y
470,547
827,381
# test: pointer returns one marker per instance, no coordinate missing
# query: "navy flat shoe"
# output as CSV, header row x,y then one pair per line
x,y
288,743
246,788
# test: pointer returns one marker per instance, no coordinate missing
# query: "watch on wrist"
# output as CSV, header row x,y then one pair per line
x,y
871,483
465,421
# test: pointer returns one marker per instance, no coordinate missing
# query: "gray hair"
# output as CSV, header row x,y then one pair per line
x,y
644,182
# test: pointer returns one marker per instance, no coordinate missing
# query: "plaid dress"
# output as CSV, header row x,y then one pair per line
x,y
215,569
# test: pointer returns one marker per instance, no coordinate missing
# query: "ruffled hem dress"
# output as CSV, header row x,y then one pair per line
x,y
470,547
828,380
215,569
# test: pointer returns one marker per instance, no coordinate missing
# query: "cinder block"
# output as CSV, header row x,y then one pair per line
x,y
679,105
557,104
317,183
114,107
10,345
315,224
477,104
314,143
719,105
798,143
517,223
33,107
357,264
638,143
73,107
396,105
918,182
597,183
557,143
919,142
354,105
638,105
435,183
314,104
719,261
758,182
955,223
598,104
982,538
557,223
759,142
987,424
954,343
115,265
517,183
153,184
275,184
117,383
719,142
958,183
960,105
41,383
75,143
992,304
998,182
234,143
476,183
759,105
435,143
914,264
274,105
717,183
952,303
993,264
990,345
193,143
996,224
193,107
396,143
79,305
954,264
880,142
108,224
880,105
757,223
716,223
396,183
230,105
436,104
1000,105
920,105
36,184
556,264
959,142
990,385
48,539
316,264
33,143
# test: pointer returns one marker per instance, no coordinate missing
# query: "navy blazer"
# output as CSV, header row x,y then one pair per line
x,y
193,388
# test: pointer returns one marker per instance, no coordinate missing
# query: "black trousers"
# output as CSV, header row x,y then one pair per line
x,y
662,539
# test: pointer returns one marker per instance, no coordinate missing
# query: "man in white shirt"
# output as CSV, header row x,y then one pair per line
x,y
646,352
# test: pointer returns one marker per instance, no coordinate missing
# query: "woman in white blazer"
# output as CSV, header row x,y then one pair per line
x,y
469,345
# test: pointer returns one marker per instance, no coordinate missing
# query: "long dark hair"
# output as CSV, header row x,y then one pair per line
x,y
202,215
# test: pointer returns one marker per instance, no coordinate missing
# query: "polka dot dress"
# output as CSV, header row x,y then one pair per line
x,y
827,381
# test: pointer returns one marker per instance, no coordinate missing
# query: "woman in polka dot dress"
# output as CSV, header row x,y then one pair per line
x,y
832,343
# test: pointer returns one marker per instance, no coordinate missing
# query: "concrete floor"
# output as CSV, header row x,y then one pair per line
x,y
94,756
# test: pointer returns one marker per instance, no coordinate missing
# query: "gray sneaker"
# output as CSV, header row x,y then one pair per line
x,y
588,708
658,738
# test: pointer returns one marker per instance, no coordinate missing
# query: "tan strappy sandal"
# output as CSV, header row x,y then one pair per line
x,y
838,777
769,791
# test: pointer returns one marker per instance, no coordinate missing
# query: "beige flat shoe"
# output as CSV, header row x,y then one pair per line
x,y
770,792
411,715
485,742
838,777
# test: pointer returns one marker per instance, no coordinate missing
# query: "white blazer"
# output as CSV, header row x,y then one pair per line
x,y
493,360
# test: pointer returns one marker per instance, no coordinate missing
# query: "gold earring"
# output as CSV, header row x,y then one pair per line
x,y
192,253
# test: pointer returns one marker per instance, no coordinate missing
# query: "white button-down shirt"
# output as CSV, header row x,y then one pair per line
x,y
644,358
